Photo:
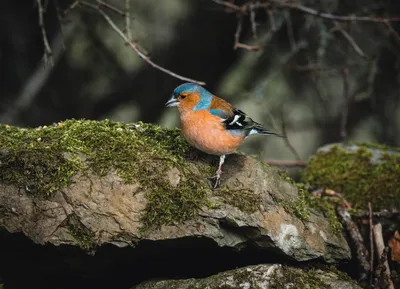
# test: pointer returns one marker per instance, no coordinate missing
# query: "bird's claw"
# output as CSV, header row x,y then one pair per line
x,y
217,180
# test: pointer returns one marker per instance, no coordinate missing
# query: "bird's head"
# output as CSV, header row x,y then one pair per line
x,y
189,96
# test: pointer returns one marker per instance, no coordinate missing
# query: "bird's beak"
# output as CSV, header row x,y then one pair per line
x,y
172,102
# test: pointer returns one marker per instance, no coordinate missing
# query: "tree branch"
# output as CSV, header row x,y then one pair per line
x,y
135,47
48,54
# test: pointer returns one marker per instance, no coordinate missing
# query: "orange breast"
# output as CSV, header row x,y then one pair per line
x,y
206,133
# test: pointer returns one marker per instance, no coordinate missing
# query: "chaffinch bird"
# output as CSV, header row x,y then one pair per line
x,y
211,124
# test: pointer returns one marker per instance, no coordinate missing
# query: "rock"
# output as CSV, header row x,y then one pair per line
x,y
361,172
101,185
260,276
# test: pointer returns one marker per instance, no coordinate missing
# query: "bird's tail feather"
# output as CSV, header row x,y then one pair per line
x,y
259,129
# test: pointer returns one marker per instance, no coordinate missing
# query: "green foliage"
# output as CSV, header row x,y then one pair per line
x,y
361,175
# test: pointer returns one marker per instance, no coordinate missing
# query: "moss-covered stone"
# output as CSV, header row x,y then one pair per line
x,y
44,160
309,278
262,276
306,202
362,173
243,199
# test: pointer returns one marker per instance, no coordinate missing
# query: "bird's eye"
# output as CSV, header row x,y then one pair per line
x,y
183,96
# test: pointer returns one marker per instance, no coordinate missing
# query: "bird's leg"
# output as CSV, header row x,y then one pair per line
x,y
218,173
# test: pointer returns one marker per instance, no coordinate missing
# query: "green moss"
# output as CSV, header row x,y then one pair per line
x,y
84,236
307,278
44,160
243,199
306,202
361,175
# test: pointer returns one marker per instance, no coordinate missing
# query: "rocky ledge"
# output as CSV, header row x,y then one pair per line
x,y
95,202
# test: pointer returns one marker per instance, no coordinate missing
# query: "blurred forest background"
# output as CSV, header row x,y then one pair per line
x,y
321,71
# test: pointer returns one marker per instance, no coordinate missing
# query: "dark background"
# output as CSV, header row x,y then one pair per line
x,y
309,70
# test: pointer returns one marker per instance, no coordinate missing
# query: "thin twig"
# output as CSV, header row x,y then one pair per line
x,y
350,39
60,22
253,21
356,237
371,242
237,43
346,103
135,48
382,259
71,7
271,17
279,163
111,7
128,29
393,32
48,54
379,214
238,31
380,246
228,5
289,28
286,139
304,9
308,10
319,193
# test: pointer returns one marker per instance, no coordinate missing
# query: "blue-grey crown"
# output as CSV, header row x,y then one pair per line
x,y
191,87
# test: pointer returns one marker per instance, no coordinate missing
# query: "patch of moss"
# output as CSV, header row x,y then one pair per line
x,y
300,208
306,201
356,176
44,160
309,278
84,236
243,199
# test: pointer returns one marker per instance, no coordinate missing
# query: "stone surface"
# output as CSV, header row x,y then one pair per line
x,y
260,276
94,211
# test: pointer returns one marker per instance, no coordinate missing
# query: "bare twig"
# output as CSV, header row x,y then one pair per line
x,y
279,163
135,47
286,139
380,214
350,39
351,18
307,10
33,85
355,235
371,242
128,29
346,103
382,259
71,7
237,43
228,5
60,21
111,7
319,193
238,31
253,20
48,54
393,32
380,246
271,17
289,28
